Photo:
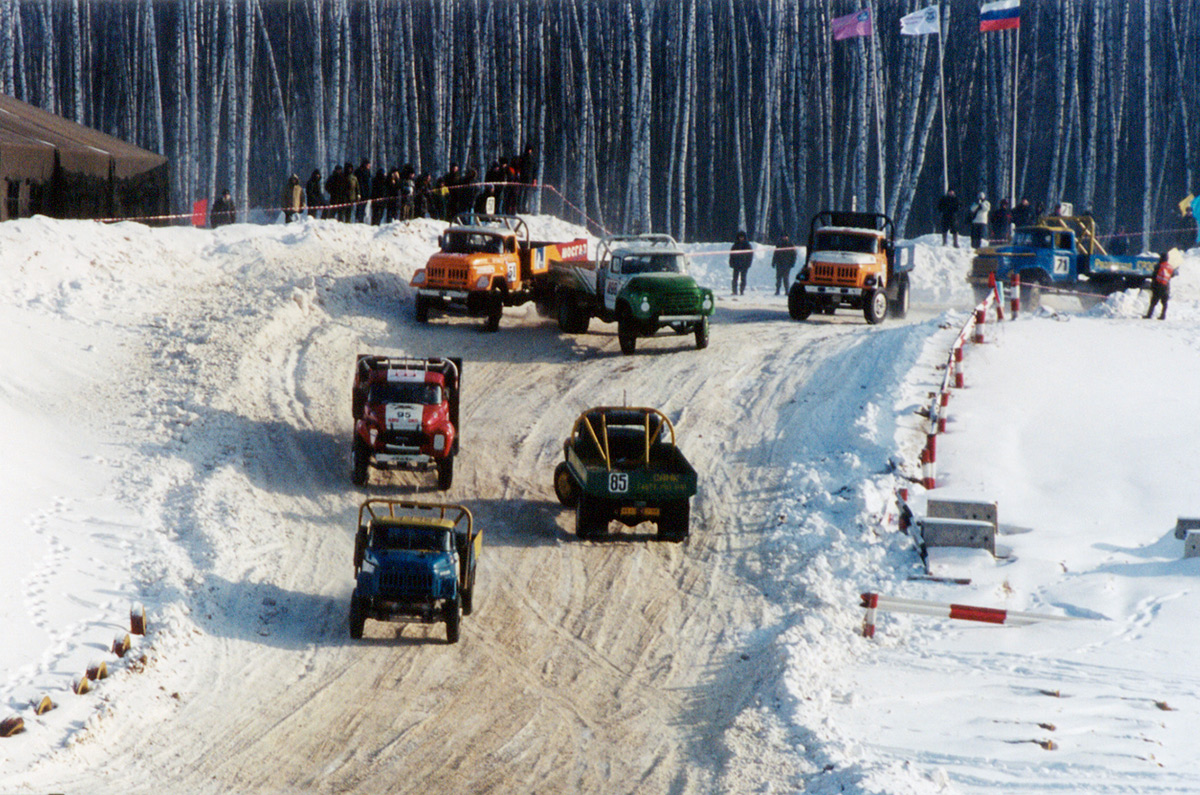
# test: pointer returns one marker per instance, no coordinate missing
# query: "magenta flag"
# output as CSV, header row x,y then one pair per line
x,y
851,25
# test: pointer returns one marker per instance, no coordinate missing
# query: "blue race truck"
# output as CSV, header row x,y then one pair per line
x,y
414,562
1059,251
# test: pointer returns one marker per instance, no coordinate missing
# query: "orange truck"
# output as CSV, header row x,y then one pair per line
x,y
485,263
851,261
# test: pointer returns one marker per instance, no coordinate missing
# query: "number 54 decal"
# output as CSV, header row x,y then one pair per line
x,y
618,482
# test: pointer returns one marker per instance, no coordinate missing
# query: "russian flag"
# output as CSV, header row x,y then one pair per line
x,y
1000,15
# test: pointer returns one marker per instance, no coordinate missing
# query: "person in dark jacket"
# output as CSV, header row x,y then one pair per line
x,y
313,193
527,176
223,212
783,260
363,177
1160,288
337,188
354,192
740,257
421,198
1000,221
379,191
1023,214
947,208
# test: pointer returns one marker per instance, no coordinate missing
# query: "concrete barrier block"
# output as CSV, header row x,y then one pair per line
x,y
971,510
1191,544
1182,525
969,533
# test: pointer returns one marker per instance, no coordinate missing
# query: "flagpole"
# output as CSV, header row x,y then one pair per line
x,y
942,91
882,201
1016,82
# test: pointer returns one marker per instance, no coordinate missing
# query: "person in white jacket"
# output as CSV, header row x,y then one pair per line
x,y
979,219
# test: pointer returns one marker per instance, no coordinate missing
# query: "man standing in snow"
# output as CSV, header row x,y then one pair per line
x,y
313,193
979,219
1160,288
293,199
740,257
947,208
783,260
223,212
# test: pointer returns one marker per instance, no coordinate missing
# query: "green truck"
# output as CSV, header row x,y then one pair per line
x,y
622,464
640,282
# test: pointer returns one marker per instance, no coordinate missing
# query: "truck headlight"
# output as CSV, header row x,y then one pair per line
x,y
802,276
645,304
419,278
439,442
870,281
707,303
374,434
483,282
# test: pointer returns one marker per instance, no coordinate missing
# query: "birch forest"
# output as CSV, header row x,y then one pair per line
x,y
692,117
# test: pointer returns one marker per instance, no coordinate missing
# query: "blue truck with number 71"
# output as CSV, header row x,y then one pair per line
x,y
1059,251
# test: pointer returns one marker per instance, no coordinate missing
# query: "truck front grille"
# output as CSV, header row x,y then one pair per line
x,y
402,438
445,276
678,303
843,275
405,585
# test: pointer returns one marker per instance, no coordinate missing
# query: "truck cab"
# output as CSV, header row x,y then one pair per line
x,y
405,415
851,261
413,562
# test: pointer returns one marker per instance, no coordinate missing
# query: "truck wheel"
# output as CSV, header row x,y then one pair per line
x,y
799,306
875,307
360,547
445,470
571,319
358,617
495,312
674,522
362,463
702,334
468,597
452,617
564,485
588,522
421,308
626,336
899,307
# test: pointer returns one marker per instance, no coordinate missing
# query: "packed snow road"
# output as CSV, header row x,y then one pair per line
x,y
623,665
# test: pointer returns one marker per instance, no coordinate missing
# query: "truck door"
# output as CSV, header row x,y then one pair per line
x,y
1063,255
612,283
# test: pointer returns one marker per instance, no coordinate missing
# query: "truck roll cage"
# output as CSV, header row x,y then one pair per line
x,y
386,508
512,223
593,425
437,364
611,242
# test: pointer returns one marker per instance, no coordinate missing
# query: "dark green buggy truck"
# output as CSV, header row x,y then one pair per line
x,y
414,562
622,464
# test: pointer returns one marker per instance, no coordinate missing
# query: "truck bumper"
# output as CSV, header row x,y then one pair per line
x,y
458,296
680,318
837,292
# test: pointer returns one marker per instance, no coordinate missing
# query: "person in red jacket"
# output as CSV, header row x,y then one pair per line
x,y
1160,288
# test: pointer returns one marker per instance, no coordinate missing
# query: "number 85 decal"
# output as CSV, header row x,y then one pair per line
x,y
618,482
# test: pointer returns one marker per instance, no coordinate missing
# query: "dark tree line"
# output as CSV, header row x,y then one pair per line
x,y
693,117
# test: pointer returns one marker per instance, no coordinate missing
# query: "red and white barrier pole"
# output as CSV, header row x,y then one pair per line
x,y
987,615
980,320
1016,294
958,366
929,462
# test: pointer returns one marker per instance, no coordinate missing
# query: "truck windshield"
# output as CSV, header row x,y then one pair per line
x,y
404,392
419,539
472,243
652,263
846,241
1033,238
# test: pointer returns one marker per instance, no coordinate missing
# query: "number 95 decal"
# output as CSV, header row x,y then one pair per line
x,y
618,482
